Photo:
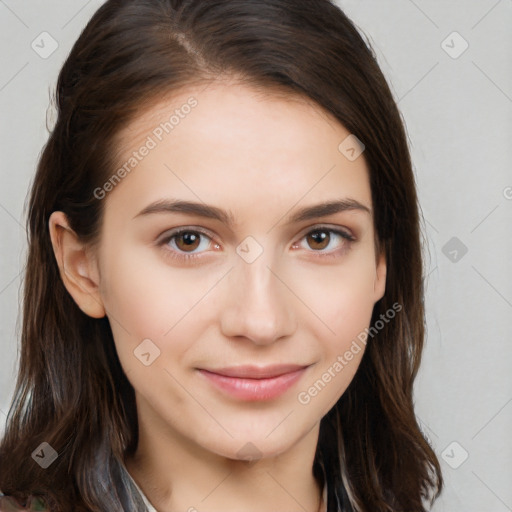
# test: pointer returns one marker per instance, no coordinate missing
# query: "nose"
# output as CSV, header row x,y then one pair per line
x,y
257,303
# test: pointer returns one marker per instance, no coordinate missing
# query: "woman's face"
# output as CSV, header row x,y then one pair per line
x,y
248,284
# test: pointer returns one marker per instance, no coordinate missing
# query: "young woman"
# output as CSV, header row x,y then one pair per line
x,y
223,299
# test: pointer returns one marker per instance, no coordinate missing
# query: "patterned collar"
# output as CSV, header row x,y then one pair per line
x,y
150,507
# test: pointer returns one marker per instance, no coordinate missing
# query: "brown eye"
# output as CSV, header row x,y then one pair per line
x,y
318,239
326,242
187,240
187,244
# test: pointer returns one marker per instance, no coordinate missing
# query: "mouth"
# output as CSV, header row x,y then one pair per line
x,y
253,383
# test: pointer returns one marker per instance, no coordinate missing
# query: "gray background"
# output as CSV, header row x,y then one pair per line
x,y
457,106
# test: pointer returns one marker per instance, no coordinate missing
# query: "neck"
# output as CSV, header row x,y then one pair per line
x,y
177,474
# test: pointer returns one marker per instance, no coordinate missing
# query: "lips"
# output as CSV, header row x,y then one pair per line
x,y
257,372
251,383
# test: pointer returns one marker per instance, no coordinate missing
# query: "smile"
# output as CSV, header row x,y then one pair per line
x,y
251,383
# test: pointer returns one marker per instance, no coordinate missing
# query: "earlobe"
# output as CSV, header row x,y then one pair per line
x,y
77,268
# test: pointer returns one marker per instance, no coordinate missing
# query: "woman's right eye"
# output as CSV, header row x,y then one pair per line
x,y
182,243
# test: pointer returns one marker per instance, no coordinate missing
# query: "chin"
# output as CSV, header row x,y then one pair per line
x,y
254,442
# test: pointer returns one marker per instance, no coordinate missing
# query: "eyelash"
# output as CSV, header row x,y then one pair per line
x,y
348,238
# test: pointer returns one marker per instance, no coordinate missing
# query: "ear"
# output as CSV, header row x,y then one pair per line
x,y
379,284
78,268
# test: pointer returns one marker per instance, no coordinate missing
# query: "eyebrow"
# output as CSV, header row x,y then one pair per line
x,y
227,217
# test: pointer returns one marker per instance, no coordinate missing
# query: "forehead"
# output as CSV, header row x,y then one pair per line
x,y
224,102
238,142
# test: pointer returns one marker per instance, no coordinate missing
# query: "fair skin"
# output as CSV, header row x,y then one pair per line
x,y
302,301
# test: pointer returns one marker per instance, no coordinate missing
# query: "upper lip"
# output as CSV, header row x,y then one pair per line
x,y
257,372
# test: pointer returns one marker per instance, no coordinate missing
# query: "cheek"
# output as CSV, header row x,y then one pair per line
x,y
145,302
344,302
147,299
341,296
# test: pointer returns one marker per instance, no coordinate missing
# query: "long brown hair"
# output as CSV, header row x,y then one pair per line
x,y
71,390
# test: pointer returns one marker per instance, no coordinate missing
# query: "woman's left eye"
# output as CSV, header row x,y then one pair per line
x,y
187,243
320,238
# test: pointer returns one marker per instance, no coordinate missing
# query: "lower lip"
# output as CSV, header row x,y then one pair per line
x,y
254,389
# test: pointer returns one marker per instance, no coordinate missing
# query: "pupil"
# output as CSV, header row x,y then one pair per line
x,y
189,238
